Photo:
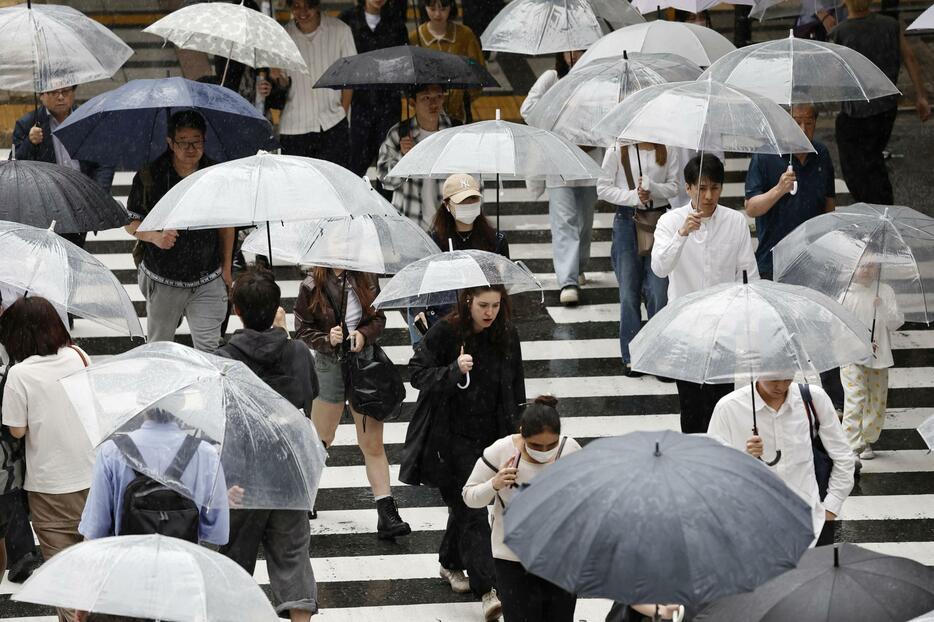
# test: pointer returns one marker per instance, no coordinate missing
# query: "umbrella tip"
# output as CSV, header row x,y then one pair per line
x,y
52,226
625,55
658,451
745,278
498,115
836,556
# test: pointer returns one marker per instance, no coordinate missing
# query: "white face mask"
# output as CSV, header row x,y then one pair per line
x,y
466,213
542,457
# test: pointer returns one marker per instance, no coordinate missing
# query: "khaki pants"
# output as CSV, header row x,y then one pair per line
x,y
55,519
866,392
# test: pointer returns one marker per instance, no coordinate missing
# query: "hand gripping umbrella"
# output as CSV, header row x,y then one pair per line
x,y
700,45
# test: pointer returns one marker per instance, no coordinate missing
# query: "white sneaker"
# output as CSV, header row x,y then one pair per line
x,y
459,583
569,296
582,279
492,608
867,453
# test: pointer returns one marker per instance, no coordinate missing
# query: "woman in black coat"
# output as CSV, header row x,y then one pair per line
x,y
468,370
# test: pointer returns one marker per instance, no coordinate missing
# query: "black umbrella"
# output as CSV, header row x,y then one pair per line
x,y
840,583
38,193
404,66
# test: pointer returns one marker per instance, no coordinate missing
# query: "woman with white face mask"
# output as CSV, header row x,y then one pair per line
x,y
504,466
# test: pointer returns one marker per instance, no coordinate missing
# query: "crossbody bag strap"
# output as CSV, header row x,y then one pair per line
x,y
84,359
627,167
564,440
813,422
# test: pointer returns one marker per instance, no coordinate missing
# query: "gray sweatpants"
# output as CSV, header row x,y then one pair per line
x,y
204,306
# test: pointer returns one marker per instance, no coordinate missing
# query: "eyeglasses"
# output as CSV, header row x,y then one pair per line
x,y
188,145
65,92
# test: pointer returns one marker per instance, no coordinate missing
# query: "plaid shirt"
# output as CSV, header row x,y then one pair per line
x,y
406,193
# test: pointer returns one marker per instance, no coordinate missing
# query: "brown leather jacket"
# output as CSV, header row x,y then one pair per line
x,y
313,327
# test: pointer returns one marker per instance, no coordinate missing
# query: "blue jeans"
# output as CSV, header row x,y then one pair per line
x,y
636,279
570,210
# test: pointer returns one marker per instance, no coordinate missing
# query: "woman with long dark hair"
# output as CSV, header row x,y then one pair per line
x,y
333,312
468,370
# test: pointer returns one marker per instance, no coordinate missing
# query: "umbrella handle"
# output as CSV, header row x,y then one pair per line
x,y
466,383
678,615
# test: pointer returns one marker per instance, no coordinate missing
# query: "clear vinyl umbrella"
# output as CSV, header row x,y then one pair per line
x,y
267,446
233,31
536,27
690,6
700,45
39,262
48,46
783,9
380,244
148,577
580,99
925,21
831,252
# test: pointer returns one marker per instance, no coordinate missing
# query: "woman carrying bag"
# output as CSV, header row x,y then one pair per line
x,y
468,370
639,180
333,313
510,462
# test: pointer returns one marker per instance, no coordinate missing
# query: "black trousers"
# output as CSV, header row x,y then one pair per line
x,y
332,144
18,536
697,403
466,542
528,598
860,142
830,382
368,129
742,25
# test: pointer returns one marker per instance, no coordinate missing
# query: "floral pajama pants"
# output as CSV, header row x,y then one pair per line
x,y
866,392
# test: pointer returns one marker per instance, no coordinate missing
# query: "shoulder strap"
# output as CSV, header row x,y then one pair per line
x,y
813,422
126,445
80,354
627,167
489,464
564,440
184,455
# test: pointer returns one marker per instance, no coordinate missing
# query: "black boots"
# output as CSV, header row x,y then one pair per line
x,y
390,524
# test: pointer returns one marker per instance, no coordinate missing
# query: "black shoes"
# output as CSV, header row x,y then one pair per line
x,y
390,524
24,567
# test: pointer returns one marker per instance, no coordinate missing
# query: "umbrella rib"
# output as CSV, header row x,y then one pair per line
x,y
849,70
713,340
915,260
771,132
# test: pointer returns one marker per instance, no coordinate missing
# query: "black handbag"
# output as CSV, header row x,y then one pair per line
x,y
375,384
823,463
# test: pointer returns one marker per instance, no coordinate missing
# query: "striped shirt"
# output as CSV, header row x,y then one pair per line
x,y
308,109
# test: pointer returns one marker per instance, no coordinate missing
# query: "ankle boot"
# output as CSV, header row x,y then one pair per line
x,y
390,524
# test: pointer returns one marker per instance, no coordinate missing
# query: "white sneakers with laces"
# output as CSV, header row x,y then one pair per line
x,y
867,453
459,582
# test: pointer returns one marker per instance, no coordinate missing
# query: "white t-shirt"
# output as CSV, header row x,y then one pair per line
x,y
59,455
372,21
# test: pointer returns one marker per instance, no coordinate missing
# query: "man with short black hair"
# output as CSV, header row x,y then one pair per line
x,y
182,273
697,246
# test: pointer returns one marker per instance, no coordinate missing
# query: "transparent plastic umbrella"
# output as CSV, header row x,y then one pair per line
x,y
691,6
266,445
377,244
233,31
783,9
435,280
48,46
830,252
700,45
792,70
580,99
536,27
703,115
39,262
925,21
926,431
148,577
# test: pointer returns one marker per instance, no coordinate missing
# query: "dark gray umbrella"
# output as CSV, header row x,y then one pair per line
x,y
38,193
841,583
658,517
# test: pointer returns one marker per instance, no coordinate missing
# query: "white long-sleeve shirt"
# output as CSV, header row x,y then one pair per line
x,y
860,299
787,429
716,253
661,181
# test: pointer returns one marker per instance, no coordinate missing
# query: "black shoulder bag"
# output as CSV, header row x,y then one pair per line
x,y
823,463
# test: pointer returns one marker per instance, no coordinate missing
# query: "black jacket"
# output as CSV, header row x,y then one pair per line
x,y
441,442
390,32
45,151
284,364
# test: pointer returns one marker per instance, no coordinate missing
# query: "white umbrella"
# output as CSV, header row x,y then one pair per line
x,y
700,45
778,9
926,430
546,26
39,262
925,21
148,577
232,31
48,46
691,6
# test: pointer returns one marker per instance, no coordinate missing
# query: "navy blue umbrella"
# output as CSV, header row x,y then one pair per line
x,y
658,517
126,127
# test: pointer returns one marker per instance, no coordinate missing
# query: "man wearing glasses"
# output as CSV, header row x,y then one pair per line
x,y
181,273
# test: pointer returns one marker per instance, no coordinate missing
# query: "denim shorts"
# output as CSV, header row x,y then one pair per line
x,y
330,377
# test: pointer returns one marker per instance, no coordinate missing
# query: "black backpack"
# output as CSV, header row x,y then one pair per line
x,y
150,507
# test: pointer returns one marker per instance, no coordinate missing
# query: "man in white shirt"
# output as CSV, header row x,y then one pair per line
x,y
783,425
697,246
314,121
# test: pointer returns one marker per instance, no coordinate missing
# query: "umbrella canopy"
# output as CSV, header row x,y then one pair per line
x,y
925,21
39,262
691,6
760,328
828,252
831,584
233,31
381,244
657,517
926,431
574,105
141,577
48,46
781,9
700,45
266,445
792,70
39,193
404,66
547,26
703,115
434,281
126,127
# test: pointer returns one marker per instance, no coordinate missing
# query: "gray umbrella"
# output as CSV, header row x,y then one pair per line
x,y
658,517
39,193
842,583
